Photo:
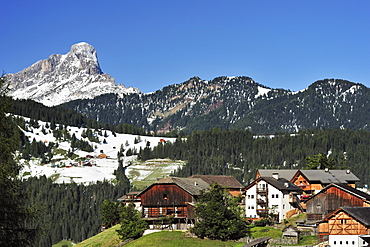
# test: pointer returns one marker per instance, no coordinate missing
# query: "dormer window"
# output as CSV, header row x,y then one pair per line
x,y
165,197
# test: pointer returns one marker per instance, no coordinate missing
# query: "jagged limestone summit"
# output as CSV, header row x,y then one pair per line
x,y
63,78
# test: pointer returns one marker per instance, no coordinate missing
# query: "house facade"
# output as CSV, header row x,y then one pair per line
x,y
333,197
176,197
271,195
346,227
312,181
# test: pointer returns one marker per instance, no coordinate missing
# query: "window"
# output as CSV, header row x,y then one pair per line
x,y
249,196
343,221
252,196
335,242
353,242
272,196
277,196
346,242
252,207
165,197
283,206
249,207
340,242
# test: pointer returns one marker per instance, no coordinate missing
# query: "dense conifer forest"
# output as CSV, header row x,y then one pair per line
x,y
72,211
239,153
69,211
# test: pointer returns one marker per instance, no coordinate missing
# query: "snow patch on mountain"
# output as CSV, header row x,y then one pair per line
x,y
63,78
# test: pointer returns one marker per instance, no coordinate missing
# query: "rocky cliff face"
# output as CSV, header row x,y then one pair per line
x,y
63,78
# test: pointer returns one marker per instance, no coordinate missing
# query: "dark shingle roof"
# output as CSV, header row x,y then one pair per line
x,y
282,184
330,176
226,181
283,173
346,188
361,214
192,185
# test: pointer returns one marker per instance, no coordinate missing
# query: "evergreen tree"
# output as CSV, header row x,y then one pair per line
x,y
132,225
109,213
220,216
14,214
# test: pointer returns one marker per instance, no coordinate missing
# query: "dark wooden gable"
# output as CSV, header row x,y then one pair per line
x,y
331,198
166,195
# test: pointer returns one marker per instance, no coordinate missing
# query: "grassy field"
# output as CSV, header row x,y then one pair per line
x,y
63,243
177,239
259,232
107,238
155,168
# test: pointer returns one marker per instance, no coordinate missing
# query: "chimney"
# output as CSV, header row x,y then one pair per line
x,y
195,183
275,175
348,171
326,169
286,185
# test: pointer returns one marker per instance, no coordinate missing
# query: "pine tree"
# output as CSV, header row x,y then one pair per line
x,y
132,225
14,214
220,216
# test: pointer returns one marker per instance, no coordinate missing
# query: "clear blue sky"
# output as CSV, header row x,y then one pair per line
x,y
152,44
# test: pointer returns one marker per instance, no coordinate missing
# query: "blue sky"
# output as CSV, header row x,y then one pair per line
x,y
152,44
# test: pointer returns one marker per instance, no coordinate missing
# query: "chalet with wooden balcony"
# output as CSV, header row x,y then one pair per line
x,y
347,226
271,195
333,197
312,181
174,196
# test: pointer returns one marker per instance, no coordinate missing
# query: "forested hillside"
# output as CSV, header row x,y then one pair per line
x,y
69,211
240,154
235,103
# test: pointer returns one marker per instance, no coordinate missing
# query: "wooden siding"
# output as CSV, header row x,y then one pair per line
x,y
330,200
302,182
165,195
343,224
166,200
155,212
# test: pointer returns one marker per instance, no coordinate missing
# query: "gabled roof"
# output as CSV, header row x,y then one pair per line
x,y
284,173
346,188
329,176
228,182
361,214
191,185
281,184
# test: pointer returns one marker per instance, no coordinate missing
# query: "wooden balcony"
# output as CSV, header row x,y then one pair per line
x,y
261,202
262,191
262,212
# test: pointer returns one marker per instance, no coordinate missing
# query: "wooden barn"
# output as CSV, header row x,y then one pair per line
x,y
171,197
347,226
333,197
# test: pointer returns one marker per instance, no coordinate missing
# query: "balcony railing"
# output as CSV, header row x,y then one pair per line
x,y
262,190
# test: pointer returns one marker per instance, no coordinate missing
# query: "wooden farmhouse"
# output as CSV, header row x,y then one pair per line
x,y
312,181
347,226
333,197
271,195
173,196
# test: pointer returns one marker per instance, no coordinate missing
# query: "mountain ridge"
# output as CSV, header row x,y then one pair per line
x,y
75,80
62,78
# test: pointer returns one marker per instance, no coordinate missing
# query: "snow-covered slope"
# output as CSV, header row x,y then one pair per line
x,y
62,78
102,169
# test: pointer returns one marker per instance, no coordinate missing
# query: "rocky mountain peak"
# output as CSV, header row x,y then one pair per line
x,y
63,78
